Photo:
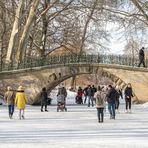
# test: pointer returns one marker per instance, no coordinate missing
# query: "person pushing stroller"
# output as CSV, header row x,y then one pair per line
x,y
61,99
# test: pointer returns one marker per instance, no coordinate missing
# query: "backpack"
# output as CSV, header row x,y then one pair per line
x,y
99,100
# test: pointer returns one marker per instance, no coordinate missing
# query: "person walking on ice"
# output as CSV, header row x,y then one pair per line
x,y
9,98
99,95
85,94
20,101
128,97
117,99
79,99
90,96
61,98
111,96
44,99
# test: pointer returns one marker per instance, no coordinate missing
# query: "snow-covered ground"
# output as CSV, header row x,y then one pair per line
x,y
2,100
77,128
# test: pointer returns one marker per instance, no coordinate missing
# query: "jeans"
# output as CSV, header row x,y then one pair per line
x,y
100,114
90,98
111,108
128,103
11,110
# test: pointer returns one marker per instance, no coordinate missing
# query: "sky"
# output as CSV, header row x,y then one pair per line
x,y
117,43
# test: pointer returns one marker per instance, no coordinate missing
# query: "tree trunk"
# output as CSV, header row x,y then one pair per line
x,y
21,46
44,37
14,32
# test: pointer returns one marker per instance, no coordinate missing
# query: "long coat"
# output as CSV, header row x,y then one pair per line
x,y
20,100
10,97
128,92
111,95
44,98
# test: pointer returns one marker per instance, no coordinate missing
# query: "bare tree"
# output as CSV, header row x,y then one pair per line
x,y
25,33
14,31
72,25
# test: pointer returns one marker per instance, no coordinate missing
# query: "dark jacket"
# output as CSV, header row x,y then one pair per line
x,y
111,95
120,93
90,91
128,92
141,54
44,97
94,90
85,91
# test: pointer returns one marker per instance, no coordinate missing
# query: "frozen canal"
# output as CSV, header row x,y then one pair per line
x,y
77,128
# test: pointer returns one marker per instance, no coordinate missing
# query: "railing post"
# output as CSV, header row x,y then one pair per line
x,y
91,58
98,59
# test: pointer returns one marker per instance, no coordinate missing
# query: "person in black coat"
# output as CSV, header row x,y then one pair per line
x,y
128,97
44,99
90,96
141,57
94,89
111,97
85,94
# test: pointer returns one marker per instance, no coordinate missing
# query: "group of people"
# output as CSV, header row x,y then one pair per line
x,y
15,98
92,95
88,92
100,96
61,98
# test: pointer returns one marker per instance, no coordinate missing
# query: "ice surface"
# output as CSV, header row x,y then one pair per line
x,y
77,128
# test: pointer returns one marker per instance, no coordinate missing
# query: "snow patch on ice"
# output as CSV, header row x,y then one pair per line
x,y
145,105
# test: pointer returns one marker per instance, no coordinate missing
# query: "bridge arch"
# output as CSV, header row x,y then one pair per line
x,y
46,76
69,72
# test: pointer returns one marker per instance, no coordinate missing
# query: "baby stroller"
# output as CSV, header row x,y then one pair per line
x,y
61,103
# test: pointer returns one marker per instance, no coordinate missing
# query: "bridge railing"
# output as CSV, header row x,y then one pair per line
x,y
72,59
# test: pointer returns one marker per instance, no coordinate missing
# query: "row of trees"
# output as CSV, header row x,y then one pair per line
x,y
36,28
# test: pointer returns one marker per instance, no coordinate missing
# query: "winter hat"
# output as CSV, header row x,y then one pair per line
x,y
20,88
9,88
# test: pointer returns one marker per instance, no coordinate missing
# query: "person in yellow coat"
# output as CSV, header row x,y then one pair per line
x,y
20,101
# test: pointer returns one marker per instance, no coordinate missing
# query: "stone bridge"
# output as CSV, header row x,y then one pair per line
x,y
50,74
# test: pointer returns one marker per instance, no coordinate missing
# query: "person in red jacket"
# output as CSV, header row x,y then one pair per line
x,y
79,99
